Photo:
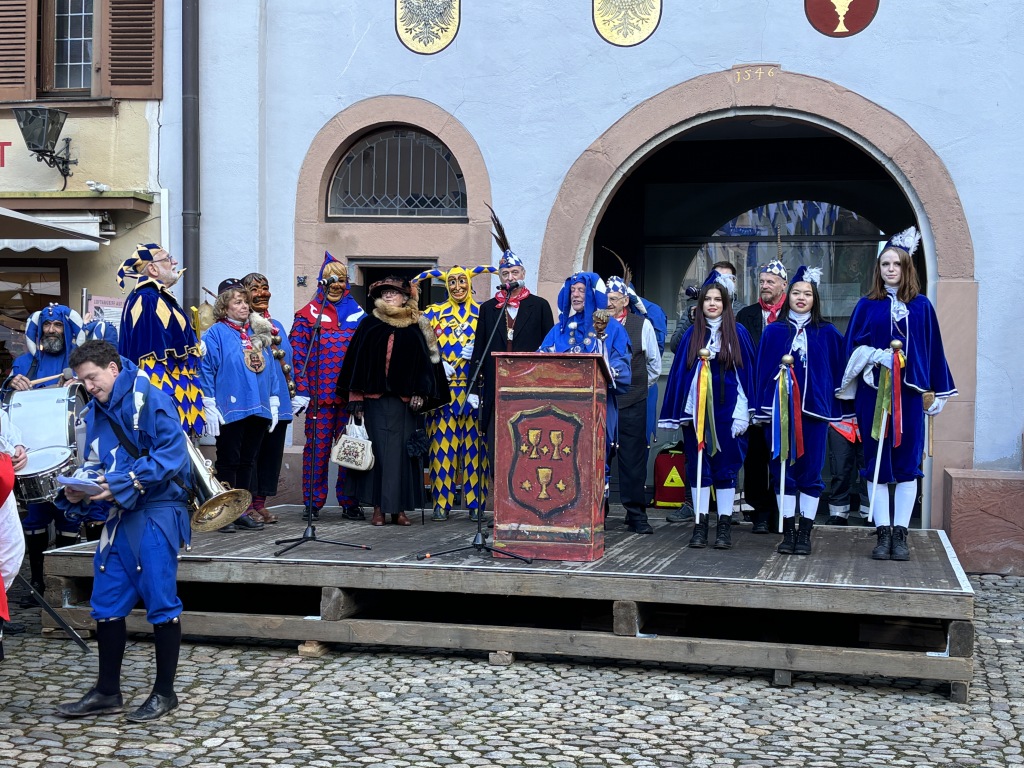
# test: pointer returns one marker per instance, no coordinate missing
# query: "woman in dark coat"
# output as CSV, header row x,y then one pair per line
x,y
391,373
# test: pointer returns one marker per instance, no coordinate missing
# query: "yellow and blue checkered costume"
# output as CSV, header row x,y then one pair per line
x,y
458,454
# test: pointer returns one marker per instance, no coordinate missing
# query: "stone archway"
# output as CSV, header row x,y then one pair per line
x,y
597,174
444,243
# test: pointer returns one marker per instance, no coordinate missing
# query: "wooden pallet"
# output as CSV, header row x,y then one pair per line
x,y
648,598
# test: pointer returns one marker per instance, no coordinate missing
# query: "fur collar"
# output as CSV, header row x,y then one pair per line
x,y
262,330
405,316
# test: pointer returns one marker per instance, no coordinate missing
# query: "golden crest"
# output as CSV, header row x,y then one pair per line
x,y
626,22
427,26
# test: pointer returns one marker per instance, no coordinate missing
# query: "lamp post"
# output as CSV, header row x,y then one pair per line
x,y
41,127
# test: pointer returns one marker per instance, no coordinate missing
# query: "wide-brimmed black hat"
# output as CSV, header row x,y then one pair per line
x,y
393,282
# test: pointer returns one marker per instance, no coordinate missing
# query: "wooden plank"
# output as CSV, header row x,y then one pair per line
x,y
681,650
961,638
337,604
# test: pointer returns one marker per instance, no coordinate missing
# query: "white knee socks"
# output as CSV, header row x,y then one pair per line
x,y
879,504
725,497
906,496
788,506
808,506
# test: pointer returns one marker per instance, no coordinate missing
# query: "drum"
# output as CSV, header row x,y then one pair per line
x,y
37,480
52,431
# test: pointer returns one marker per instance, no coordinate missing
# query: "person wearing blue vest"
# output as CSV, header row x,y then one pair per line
x,y
139,460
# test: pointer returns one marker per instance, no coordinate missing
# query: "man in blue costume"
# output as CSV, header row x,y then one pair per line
x,y
157,336
50,336
579,331
98,327
138,458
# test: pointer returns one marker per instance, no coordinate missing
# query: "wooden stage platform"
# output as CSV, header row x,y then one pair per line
x,y
649,598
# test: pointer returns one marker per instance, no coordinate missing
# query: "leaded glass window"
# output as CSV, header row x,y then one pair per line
x,y
398,172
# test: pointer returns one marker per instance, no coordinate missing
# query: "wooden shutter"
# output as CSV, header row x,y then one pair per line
x,y
130,44
17,49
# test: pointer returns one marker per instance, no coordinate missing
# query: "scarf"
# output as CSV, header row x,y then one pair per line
x,y
715,342
898,308
513,301
772,309
799,321
240,327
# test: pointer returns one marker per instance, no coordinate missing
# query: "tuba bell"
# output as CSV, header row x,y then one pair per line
x,y
213,504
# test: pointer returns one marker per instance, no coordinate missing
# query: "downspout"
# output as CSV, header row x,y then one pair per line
x,y
190,152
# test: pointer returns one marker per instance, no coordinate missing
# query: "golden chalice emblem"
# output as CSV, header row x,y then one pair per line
x,y
533,438
544,478
841,6
556,436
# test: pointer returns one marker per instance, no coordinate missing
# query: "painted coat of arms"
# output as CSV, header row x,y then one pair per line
x,y
626,22
427,26
545,443
840,18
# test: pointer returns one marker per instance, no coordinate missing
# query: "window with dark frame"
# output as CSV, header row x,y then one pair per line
x,y
398,172
65,47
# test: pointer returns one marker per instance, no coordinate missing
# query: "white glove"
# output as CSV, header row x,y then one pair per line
x,y
275,409
202,347
739,426
882,357
213,417
299,404
467,351
449,369
473,401
936,407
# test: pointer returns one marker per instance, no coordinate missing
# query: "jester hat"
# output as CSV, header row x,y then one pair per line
x,y
468,272
74,327
131,267
596,298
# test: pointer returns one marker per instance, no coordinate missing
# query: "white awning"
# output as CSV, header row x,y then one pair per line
x,y
70,231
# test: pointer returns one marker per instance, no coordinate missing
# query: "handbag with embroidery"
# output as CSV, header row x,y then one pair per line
x,y
354,449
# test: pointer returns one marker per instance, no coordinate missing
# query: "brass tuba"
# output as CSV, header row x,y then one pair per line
x,y
213,505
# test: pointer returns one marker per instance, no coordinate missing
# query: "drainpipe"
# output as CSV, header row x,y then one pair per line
x,y
190,151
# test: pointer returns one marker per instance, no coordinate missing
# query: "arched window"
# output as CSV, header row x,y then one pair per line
x,y
398,172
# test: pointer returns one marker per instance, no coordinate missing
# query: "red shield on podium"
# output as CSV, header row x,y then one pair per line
x,y
840,18
543,477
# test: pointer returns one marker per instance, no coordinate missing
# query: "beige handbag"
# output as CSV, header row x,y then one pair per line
x,y
353,449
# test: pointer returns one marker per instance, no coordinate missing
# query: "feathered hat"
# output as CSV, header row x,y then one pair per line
x,y
624,285
805,274
508,259
726,281
130,267
906,241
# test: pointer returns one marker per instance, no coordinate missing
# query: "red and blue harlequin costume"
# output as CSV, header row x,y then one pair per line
x,y
318,374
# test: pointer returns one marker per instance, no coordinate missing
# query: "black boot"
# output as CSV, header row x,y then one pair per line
x,y
884,549
788,544
760,522
723,532
699,539
637,522
803,537
900,550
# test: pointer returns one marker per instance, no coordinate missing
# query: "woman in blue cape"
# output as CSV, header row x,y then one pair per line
x,y
714,392
796,396
895,310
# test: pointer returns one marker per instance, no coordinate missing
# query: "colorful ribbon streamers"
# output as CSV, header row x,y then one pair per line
x,y
787,417
705,421
888,399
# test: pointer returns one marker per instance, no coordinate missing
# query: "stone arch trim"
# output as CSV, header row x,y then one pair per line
x,y
595,176
444,243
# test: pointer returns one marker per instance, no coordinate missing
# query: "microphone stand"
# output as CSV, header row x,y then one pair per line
x,y
309,535
479,542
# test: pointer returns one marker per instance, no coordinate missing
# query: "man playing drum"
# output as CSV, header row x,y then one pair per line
x,y
50,336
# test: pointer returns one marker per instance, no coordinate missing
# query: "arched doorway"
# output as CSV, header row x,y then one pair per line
x,y
830,144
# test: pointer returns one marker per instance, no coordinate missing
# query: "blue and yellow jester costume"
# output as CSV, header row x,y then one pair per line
x,y
318,374
458,455
158,337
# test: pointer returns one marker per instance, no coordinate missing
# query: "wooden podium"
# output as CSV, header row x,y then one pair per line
x,y
549,440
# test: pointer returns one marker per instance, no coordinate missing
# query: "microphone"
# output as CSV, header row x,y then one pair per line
x,y
328,280
512,286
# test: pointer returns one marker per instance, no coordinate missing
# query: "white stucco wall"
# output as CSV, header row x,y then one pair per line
x,y
535,85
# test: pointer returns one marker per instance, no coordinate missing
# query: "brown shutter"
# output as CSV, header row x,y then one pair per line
x,y
17,49
130,43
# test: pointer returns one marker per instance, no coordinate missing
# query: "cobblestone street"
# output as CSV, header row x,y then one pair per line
x,y
261,705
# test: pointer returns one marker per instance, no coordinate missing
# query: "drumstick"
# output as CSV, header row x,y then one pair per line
x,y
66,373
